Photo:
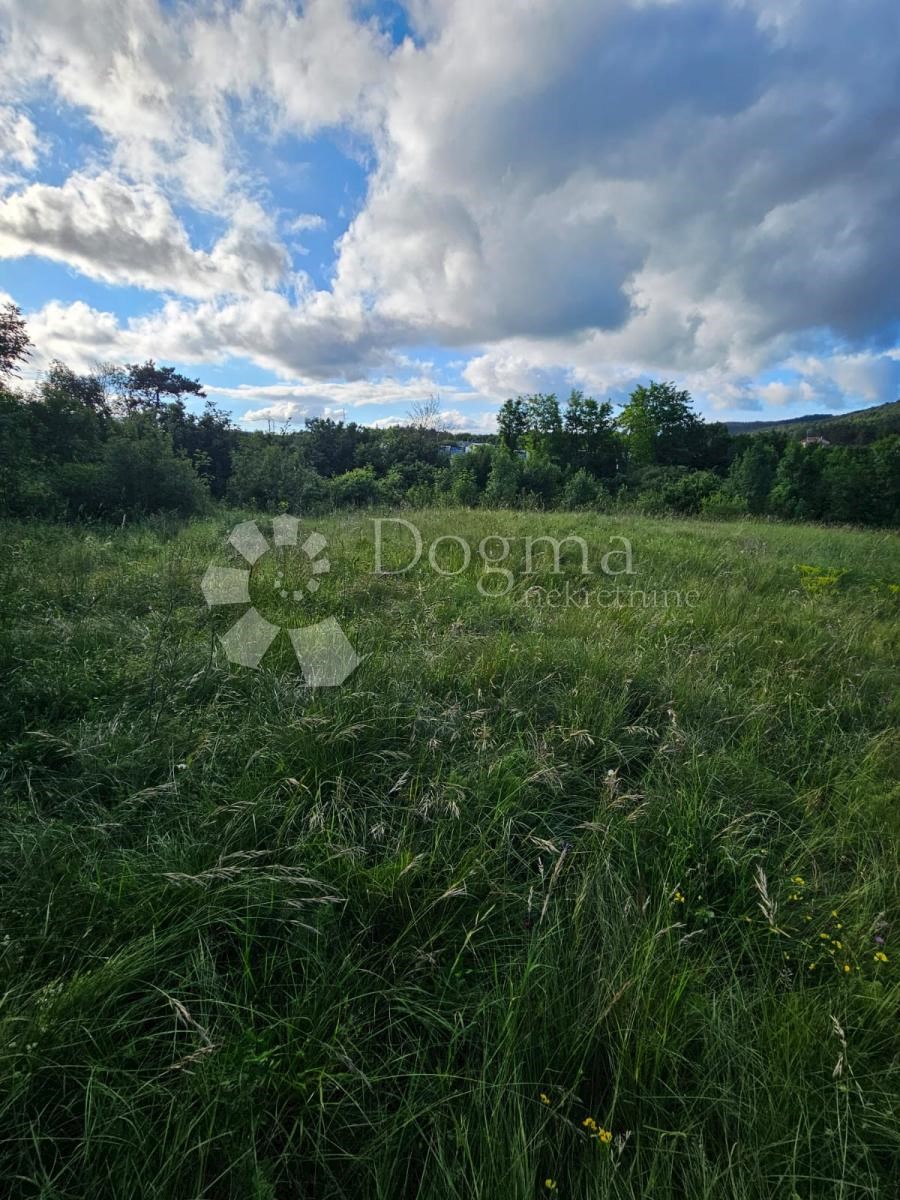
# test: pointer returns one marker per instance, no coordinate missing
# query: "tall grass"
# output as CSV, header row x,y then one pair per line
x,y
531,866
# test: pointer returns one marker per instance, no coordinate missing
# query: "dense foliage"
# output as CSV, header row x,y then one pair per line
x,y
122,441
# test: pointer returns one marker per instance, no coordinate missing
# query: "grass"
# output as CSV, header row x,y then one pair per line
x,y
532,865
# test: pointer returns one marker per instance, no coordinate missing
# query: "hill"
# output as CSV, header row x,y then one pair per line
x,y
852,428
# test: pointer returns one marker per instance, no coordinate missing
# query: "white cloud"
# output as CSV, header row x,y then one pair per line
x,y
304,221
306,397
122,232
168,84
599,192
574,193
126,233
19,141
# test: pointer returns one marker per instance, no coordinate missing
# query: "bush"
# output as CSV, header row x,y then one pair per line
x,y
464,487
676,490
721,507
355,489
581,490
272,474
138,472
542,479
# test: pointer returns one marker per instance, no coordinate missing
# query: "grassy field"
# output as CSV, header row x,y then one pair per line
x,y
544,900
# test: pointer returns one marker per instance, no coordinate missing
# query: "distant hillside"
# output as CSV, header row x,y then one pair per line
x,y
864,425
765,426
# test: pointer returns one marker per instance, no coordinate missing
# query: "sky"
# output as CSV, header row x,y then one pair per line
x,y
341,209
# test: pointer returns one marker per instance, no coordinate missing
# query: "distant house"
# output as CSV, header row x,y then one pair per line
x,y
814,440
454,448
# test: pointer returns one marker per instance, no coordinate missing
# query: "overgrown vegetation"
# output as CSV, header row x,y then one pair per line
x,y
120,442
546,899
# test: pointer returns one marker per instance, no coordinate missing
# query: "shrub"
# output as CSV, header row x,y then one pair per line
x,y
355,489
581,490
138,472
720,506
465,486
819,580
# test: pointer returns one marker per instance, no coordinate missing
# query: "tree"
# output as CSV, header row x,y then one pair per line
x,y
752,475
512,423
146,384
426,414
798,490
660,426
542,480
503,482
544,439
207,440
68,422
140,472
590,439
847,482
331,446
14,339
24,490
355,489
270,473
885,482
89,390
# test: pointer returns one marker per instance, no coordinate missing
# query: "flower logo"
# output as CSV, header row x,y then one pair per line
x,y
325,655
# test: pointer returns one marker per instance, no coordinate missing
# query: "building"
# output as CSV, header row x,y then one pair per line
x,y
454,448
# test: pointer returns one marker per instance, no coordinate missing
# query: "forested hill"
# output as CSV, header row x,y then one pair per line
x,y
845,429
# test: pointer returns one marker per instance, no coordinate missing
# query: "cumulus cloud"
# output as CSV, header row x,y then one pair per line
x,y
266,329
574,193
125,233
166,84
674,187
312,397
304,221
19,141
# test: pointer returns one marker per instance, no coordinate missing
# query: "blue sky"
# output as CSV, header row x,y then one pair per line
x,y
329,207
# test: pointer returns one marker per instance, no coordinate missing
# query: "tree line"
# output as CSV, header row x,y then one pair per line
x,y
121,440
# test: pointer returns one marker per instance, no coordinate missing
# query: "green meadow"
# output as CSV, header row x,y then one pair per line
x,y
582,893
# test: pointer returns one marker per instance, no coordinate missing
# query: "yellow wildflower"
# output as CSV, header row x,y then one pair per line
x,y
678,898
590,1123
798,879
812,966
605,1135
550,1185
840,945
847,968
880,956
834,913
545,1099
824,936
